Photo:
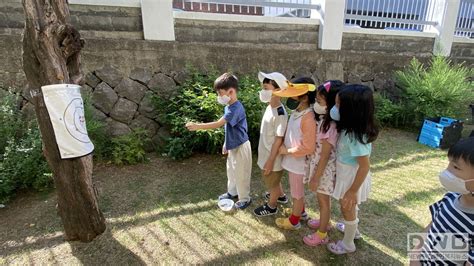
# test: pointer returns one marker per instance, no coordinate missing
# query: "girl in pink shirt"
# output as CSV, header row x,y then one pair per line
x,y
321,165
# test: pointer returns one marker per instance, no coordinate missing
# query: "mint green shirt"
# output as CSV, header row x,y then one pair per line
x,y
349,148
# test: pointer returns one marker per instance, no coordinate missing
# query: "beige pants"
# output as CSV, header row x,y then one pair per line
x,y
239,171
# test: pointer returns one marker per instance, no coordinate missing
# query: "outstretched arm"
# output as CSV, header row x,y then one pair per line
x,y
191,126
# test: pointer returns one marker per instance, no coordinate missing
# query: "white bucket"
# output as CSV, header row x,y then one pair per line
x,y
226,205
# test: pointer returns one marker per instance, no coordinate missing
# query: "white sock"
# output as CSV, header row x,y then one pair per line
x,y
350,228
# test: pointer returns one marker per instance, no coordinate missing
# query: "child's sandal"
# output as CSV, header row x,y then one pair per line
x,y
314,224
339,248
314,240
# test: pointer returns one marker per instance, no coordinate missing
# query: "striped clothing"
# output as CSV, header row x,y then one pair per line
x,y
448,217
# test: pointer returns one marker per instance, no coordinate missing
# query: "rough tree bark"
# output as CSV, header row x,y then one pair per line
x,y
51,55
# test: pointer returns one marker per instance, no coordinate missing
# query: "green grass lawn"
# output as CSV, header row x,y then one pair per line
x,y
165,212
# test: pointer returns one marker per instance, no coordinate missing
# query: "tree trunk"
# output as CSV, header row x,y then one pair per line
x,y
51,55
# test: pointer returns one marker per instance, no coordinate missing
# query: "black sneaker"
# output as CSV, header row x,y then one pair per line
x,y
282,200
265,210
227,195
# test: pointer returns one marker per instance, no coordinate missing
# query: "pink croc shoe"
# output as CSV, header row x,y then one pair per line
x,y
314,240
314,224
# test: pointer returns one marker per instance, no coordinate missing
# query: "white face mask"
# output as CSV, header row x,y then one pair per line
x,y
453,183
265,95
319,109
224,100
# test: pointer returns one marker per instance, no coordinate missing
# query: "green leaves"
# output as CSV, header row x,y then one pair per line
x,y
197,102
127,149
12,124
97,133
22,164
387,112
130,148
441,89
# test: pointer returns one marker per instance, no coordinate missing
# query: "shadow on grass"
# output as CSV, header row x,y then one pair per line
x,y
165,184
395,144
160,191
44,242
97,252
386,224
403,162
169,184
375,223
414,198
105,250
162,214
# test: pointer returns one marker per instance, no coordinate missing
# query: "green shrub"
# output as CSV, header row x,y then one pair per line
x,y
387,112
12,127
97,133
254,108
196,101
130,148
442,89
22,164
127,149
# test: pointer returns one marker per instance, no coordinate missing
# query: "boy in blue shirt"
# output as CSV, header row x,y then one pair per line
x,y
237,144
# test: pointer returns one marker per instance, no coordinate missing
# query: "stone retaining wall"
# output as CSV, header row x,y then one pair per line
x,y
126,103
124,71
96,18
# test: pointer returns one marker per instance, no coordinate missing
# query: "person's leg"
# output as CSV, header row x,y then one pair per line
x,y
297,193
320,237
272,181
280,191
274,195
231,184
281,194
275,188
243,171
324,202
350,226
298,205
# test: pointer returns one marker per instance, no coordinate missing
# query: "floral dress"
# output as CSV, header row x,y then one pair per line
x,y
328,179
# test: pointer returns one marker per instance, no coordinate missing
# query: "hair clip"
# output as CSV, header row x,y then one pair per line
x,y
327,86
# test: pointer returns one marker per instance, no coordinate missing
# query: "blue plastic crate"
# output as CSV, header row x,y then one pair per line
x,y
431,128
432,132
446,121
429,142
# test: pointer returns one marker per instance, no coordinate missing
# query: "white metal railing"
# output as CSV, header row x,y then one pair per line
x,y
465,20
423,18
123,3
391,14
281,8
